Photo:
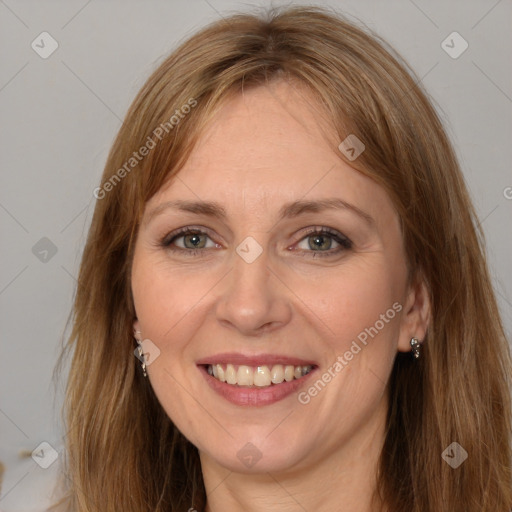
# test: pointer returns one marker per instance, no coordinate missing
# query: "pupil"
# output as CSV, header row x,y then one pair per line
x,y
194,240
320,242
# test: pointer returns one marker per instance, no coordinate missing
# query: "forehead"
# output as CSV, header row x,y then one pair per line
x,y
267,146
266,128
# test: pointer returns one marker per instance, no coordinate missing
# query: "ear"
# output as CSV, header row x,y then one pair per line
x,y
416,314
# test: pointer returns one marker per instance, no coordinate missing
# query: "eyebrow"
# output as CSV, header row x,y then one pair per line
x,y
210,209
289,210
299,207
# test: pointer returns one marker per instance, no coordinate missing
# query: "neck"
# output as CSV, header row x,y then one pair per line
x,y
344,480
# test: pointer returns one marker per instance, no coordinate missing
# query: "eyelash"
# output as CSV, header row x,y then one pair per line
x,y
343,241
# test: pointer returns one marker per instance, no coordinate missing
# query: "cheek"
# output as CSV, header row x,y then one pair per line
x,y
358,311
167,302
358,308
166,297
354,299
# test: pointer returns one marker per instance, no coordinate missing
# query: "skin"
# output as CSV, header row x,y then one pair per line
x,y
266,148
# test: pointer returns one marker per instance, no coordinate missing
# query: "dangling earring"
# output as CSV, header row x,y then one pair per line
x,y
140,353
416,348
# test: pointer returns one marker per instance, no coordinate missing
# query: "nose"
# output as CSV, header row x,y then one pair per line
x,y
253,300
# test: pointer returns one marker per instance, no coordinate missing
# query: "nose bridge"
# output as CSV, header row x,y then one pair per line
x,y
252,298
250,284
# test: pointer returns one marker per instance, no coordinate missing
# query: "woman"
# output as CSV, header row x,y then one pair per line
x,y
284,239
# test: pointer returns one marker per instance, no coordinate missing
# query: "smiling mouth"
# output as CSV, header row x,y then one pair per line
x,y
257,376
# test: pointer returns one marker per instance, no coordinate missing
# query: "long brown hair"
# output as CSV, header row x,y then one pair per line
x,y
123,452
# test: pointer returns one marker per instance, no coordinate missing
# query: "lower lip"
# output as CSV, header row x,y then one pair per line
x,y
240,395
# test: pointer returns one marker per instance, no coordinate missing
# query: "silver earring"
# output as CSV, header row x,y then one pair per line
x,y
141,353
416,348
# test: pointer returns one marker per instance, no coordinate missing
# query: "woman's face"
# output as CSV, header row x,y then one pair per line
x,y
267,257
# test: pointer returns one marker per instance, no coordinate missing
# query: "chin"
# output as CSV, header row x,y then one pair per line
x,y
258,452
252,460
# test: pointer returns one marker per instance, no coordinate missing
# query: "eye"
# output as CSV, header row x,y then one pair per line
x,y
192,241
324,242
188,240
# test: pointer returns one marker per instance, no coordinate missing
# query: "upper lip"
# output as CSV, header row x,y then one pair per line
x,y
254,360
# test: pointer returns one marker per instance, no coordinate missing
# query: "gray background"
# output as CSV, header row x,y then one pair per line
x,y
60,115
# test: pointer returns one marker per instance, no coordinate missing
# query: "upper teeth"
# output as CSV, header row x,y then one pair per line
x,y
260,376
